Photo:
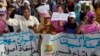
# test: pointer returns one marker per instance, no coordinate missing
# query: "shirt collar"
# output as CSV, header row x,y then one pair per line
x,y
28,19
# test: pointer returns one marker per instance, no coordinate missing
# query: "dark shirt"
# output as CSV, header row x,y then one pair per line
x,y
70,28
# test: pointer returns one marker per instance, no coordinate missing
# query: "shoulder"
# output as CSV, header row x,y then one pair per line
x,y
33,17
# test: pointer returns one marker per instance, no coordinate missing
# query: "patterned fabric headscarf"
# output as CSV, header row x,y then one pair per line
x,y
90,15
78,12
90,28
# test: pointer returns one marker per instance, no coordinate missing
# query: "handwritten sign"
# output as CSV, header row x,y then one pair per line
x,y
19,44
71,45
59,16
87,2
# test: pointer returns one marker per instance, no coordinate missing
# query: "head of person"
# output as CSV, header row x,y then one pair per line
x,y
58,1
26,3
91,17
11,10
97,5
71,18
26,12
2,11
60,9
84,7
78,7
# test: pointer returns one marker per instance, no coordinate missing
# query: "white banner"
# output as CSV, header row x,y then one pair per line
x,y
25,44
71,45
59,16
19,44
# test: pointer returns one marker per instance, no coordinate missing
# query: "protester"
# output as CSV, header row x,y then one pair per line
x,y
84,11
98,12
3,15
59,24
71,25
24,21
70,5
89,24
11,9
44,12
20,8
77,10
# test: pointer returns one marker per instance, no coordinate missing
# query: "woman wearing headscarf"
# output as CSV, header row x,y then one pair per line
x,y
3,15
70,5
71,25
89,24
44,12
77,10
84,11
59,24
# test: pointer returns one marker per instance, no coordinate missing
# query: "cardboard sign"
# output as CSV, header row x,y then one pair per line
x,y
59,16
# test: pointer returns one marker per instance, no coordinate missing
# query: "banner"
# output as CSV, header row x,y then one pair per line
x,y
87,2
19,44
26,44
71,45
59,16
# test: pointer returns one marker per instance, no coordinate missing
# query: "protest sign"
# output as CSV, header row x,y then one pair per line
x,y
59,16
19,44
71,45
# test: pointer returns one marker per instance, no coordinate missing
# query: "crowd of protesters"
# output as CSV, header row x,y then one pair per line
x,y
18,15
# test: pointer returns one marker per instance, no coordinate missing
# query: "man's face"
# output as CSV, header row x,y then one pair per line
x,y
26,14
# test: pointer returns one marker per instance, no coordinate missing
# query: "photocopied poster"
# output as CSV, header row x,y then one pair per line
x,y
59,16
71,45
19,44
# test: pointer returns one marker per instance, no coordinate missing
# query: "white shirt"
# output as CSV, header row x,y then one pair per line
x,y
22,22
